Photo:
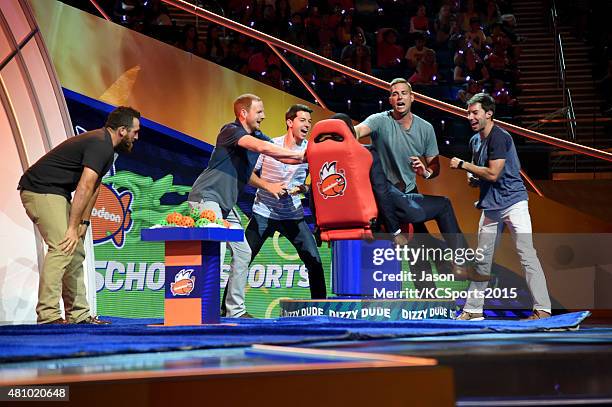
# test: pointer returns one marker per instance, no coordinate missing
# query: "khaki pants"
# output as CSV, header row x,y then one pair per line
x,y
233,304
518,221
61,275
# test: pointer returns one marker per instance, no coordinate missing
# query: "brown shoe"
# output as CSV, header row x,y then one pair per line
x,y
59,321
463,273
470,316
93,321
537,314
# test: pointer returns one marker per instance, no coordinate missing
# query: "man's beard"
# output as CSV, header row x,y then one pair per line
x,y
125,146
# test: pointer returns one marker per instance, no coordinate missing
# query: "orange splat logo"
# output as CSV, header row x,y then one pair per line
x,y
332,182
183,283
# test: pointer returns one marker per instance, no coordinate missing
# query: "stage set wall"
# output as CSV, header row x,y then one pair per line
x,y
185,100
33,119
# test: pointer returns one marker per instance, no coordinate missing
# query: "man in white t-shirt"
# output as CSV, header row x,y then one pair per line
x,y
278,206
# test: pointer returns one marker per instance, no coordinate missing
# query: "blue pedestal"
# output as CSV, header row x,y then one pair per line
x,y
192,267
353,268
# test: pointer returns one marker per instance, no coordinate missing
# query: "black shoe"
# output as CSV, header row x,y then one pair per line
x,y
246,315
93,321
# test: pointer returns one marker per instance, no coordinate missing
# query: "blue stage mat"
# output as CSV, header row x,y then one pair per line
x,y
31,342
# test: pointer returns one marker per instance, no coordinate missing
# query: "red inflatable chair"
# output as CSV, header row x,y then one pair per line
x,y
340,172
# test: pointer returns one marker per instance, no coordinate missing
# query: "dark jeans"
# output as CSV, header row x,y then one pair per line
x,y
416,208
298,233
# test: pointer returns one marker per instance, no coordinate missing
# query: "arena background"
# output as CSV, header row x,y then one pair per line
x,y
192,96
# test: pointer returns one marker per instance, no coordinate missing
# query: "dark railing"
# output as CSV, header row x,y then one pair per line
x,y
568,103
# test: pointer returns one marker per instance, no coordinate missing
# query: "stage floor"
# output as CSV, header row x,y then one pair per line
x,y
487,368
555,365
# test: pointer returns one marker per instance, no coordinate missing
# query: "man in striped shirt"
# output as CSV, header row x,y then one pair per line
x,y
278,206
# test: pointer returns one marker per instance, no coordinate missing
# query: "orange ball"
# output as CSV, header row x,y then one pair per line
x,y
226,223
208,214
187,221
174,218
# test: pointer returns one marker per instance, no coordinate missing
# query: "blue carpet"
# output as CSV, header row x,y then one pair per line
x,y
30,342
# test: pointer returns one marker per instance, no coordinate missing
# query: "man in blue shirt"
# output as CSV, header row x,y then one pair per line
x,y
495,168
230,168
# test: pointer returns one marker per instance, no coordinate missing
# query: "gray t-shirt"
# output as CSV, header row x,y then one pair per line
x,y
396,145
509,188
229,169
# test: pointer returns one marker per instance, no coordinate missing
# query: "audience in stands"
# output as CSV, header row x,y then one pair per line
x,y
389,53
416,52
479,33
420,22
426,71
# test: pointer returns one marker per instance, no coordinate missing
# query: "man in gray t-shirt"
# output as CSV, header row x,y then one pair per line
x,y
407,148
396,144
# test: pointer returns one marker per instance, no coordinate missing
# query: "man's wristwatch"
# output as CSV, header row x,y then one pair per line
x,y
460,164
85,222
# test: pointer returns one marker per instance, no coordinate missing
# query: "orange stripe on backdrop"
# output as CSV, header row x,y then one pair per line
x,y
183,253
183,311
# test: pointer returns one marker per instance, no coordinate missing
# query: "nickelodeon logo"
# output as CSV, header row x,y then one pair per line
x,y
111,217
103,214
